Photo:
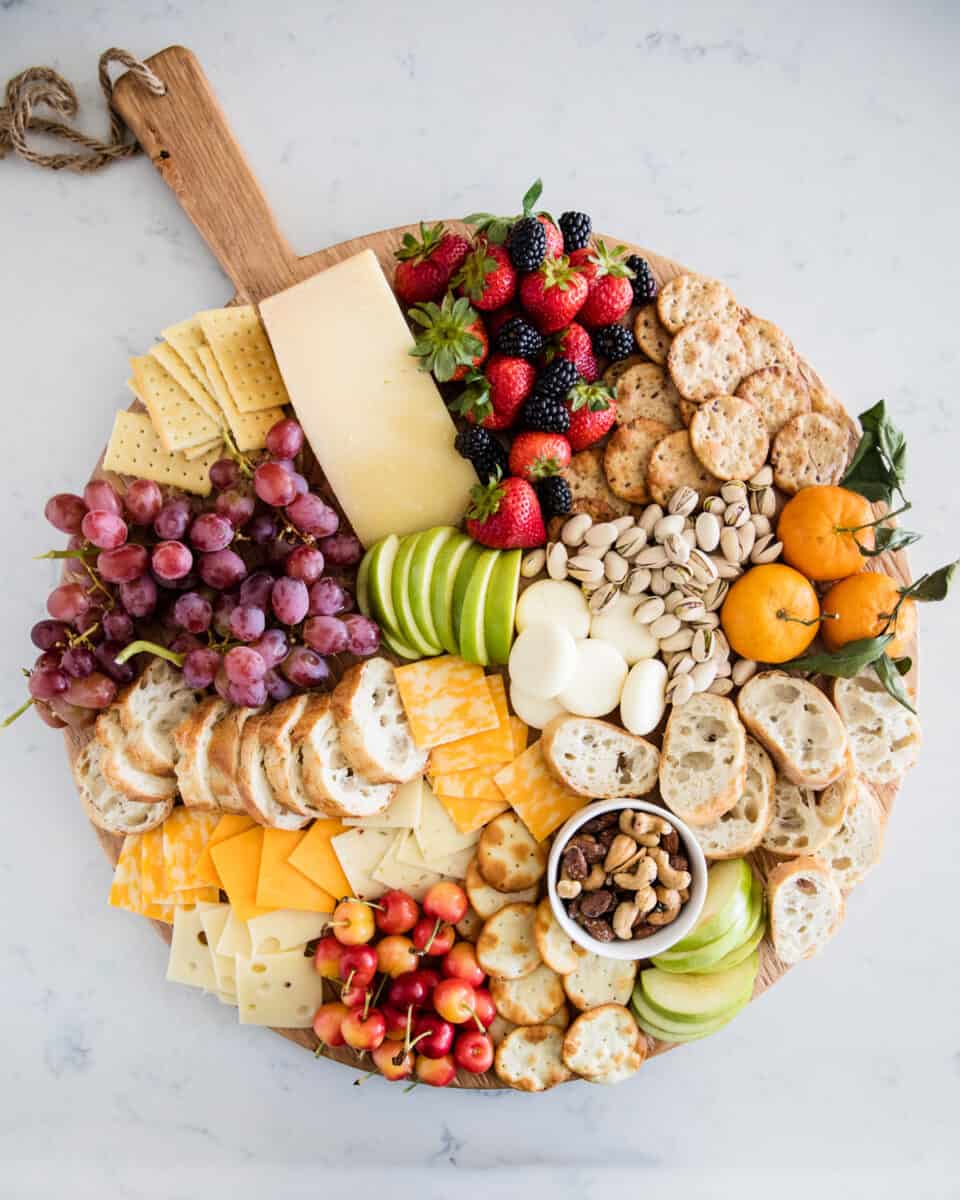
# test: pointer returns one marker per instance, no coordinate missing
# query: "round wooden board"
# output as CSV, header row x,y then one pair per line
x,y
771,968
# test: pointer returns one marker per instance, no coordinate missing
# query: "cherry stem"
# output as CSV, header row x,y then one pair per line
x,y
411,1086
418,1038
376,998
480,1024
144,647
363,1078
319,1049
430,940
19,713
368,996
349,980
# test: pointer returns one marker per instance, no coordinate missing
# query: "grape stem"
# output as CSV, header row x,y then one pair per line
x,y
7,721
88,553
144,647
244,463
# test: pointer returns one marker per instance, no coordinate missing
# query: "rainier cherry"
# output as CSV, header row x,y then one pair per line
x,y
353,922
433,1036
327,1021
438,1071
364,1029
396,1019
474,1052
358,964
433,937
408,990
393,1063
398,912
454,1000
355,995
447,901
484,1008
396,955
461,963
326,959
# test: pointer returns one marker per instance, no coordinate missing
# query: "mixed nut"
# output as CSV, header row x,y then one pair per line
x,y
624,875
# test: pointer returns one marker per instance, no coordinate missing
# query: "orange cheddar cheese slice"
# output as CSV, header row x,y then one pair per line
x,y
540,802
315,858
446,699
279,885
237,862
492,747
229,825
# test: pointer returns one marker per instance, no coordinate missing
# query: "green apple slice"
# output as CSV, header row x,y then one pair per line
x,y
379,584
445,571
464,575
362,589
680,962
742,951
422,564
501,606
399,648
728,896
473,643
410,631
693,999
665,1030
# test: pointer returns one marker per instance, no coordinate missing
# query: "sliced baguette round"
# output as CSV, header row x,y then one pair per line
x,y
374,731
797,725
805,820
192,738
530,1058
223,756
331,784
121,770
884,736
857,845
703,763
276,735
255,790
150,710
107,807
596,759
742,827
806,908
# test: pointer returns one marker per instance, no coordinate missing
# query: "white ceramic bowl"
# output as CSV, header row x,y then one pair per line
x,y
638,947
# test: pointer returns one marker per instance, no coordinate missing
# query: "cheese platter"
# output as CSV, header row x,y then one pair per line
x,y
486,650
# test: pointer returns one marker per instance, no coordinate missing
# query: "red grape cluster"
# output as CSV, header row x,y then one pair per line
x,y
246,592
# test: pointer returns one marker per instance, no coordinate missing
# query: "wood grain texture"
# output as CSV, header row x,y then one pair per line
x,y
188,139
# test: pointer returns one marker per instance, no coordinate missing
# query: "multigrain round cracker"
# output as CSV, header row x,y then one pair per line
x,y
729,437
603,1041
687,298
822,400
500,1027
509,856
808,451
599,980
707,359
617,370
766,345
589,490
556,948
470,925
530,1000
688,410
673,464
506,948
530,1059
486,900
651,336
779,394
647,391
627,454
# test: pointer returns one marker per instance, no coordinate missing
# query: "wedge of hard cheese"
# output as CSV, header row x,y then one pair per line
x,y
376,422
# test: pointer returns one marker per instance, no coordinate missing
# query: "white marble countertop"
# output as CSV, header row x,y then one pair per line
x,y
805,153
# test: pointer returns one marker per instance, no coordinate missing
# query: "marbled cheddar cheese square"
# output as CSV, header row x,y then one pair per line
x,y
446,699
476,784
470,813
520,732
540,802
315,858
237,861
493,747
228,826
279,885
153,886
125,889
185,835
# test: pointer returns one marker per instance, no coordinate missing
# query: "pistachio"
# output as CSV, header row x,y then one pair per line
x,y
736,515
715,505
664,626
703,674
683,501
702,645
734,492
649,610
689,609
677,574
584,569
761,524
672,599
743,670
575,529
762,479
615,566
679,690
767,506
709,620
631,542
667,525
730,545
637,581
649,517
707,529
654,557
728,570
723,667
716,593
533,563
603,598
557,559
659,585
747,535
677,548
767,553
677,642
703,567
624,523
683,665
720,687
602,535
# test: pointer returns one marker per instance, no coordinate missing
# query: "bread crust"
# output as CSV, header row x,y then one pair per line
x,y
710,836
784,875
723,798
255,791
223,755
192,738
555,730
353,738
120,769
785,765
276,736
132,816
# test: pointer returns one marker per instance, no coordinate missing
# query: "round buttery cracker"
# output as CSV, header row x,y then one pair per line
x,y
651,336
766,345
599,980
688,410
646,390
808,451
605,1041
673,464
530,1000
779,394
556,948
506,948
707,359
627,454
486,900
589,490
500,1027
687,298
530,1058
509,856
615,371
729,437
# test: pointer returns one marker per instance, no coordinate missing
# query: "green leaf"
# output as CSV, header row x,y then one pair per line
x,y
934,586
904,665
879,464
889,675
531,196
846,662
888,538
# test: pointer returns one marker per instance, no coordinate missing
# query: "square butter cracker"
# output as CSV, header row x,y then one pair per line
x,y
540,802
249,429
135,449
177,369
179,421
244,355
490,748
445,699
202,451
186,337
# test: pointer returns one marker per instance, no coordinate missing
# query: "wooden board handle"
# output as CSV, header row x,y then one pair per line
x,y
186,135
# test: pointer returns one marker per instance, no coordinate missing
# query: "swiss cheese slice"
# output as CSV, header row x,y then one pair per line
x,y
392,873
446,699
360,852
279,885
282,990
185,835
492,747
437,835
540,802
285,930
190,960
403,812
453,866
315,858
377,423
214,918
237,861
235,938
228,826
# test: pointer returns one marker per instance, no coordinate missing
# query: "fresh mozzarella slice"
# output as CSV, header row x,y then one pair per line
x,y
532,710
554,602
597,680
617,626
644,696
543,659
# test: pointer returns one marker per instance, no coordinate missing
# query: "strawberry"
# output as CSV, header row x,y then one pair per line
x,y
573,344
536,456
610,293
505,514
553,294
423,268
592,412
493,398
452,340
554,236
487,276
451,250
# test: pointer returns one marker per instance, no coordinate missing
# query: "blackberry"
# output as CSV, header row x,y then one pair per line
x,y
576,228
518,338
527,245
554,495
481,448
545,413
643,283
614,342
556,379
